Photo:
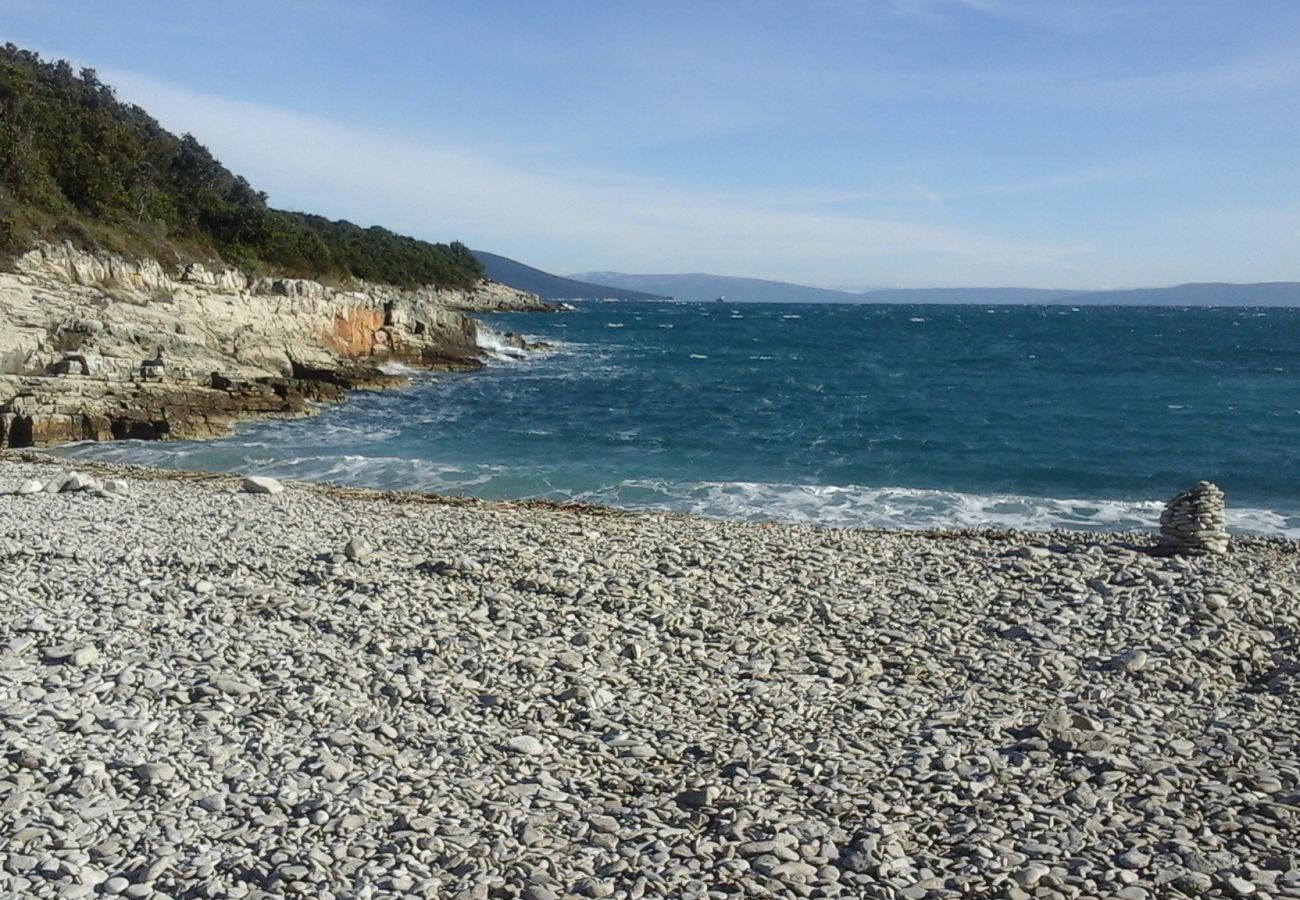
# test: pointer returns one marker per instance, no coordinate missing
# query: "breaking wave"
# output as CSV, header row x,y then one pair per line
x,y
496,346
840,506
910,508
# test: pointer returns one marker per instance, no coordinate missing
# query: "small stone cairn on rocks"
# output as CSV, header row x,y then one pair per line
x,y
1192,523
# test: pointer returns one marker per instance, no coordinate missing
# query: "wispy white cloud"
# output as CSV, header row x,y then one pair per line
x,y
1074,179
579,220
1077,16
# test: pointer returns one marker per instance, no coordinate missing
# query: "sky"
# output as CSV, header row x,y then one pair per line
x,y
838,143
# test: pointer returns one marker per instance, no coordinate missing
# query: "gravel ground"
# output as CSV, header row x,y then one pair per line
x,y
338,693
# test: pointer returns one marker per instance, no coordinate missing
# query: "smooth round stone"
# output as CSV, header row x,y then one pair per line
x,y
1130,660
156,773
526,745
261,484
1031,874
1134,859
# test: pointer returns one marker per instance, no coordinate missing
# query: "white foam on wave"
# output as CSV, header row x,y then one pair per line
x,y
911,508
166,454
391,472
494,344
846,506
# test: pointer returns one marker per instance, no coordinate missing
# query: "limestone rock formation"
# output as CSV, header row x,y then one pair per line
x,y
1193,522
98,347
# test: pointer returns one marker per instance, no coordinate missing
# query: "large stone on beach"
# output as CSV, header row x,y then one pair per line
x,y
79,482
357,549
30,486
55,484
260,484
526,745
155,773
1193,522
72,654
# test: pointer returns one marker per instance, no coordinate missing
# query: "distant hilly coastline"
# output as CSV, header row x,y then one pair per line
x,y
552,287
1269,293
1025,296
703,287
700,286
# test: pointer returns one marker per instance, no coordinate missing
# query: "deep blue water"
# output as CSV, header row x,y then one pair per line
x,y
847,415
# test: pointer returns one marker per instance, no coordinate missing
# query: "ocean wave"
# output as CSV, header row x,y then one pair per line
x,y
387,472
910,508
845,506
495,345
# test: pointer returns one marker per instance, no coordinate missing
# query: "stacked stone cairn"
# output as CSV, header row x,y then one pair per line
x,y
1192,523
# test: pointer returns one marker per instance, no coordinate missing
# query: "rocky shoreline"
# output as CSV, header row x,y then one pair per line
x,y
331,692
96,347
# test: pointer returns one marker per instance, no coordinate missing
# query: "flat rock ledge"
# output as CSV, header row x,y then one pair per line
x,y
333,693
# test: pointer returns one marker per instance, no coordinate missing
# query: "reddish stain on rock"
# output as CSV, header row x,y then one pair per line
x,y
355,330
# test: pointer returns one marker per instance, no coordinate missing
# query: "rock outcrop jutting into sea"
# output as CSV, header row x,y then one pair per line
x,y
1193,522
96,347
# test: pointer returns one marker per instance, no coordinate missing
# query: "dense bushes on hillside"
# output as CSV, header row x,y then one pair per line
x,y
76,163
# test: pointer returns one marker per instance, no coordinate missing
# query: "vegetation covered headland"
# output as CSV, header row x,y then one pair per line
x,y
148,292
77,163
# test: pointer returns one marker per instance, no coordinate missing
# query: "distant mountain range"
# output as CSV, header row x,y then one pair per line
x,y
698,286
753,290
711,287
1267,293
552,287
966,295
704,287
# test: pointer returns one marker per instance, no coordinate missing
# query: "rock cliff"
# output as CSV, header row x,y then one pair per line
x,y
99,347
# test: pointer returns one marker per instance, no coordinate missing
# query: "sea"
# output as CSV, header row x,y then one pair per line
x,y
911,417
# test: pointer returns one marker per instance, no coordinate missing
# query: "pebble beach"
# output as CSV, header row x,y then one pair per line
x,y
326,692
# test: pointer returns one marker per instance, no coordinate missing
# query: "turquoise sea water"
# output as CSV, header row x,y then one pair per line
x,y
898,416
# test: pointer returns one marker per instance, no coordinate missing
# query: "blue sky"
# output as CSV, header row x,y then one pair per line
x,y
1082,143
